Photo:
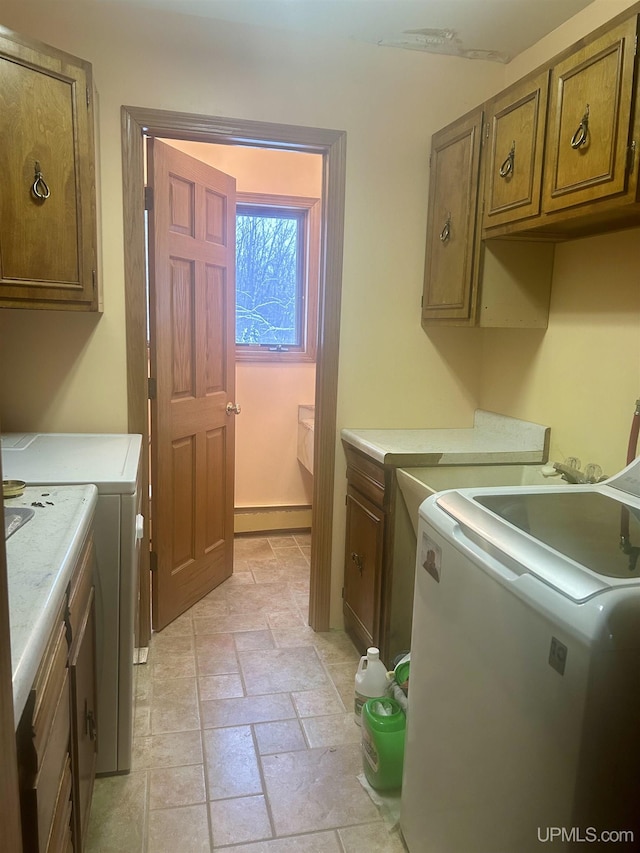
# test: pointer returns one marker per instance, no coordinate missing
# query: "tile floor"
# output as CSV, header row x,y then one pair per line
x,y
244,737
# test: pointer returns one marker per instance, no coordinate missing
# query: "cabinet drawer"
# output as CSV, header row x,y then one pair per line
x,y
367,476
47,686
80,590
54,762
60,836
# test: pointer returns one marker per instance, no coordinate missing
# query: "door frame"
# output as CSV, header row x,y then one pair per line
x,y
138,122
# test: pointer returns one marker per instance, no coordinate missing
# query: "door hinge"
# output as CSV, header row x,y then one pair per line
x,y
148,198
88,96
343,592
94,279
632,157
486,130
152,389
153,561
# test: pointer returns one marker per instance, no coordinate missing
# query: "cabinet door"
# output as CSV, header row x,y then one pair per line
x,y
515,124
82,670
363,569
47,205
590,113
451,254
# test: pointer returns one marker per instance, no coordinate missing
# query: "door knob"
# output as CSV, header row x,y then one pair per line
x,y
233,409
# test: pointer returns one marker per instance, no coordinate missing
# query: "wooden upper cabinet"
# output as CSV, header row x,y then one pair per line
x,y
514,130
451,252
48,242
591,121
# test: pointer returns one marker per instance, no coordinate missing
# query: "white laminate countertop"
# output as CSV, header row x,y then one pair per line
x,y
493,439
40,558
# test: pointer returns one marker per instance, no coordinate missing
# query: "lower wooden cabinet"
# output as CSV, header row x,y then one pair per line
x,y
57,733
368,550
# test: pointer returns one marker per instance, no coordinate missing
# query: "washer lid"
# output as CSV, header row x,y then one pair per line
x,y
109,460
569,538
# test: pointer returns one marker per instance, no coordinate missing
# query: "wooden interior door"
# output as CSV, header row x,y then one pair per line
x,y
192,334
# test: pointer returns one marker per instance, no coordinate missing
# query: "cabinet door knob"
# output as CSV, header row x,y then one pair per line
x,y
579,138
507,167
89,722
357,559
446,231
40,188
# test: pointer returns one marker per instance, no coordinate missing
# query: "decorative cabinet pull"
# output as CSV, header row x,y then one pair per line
x,y
357,559
89,722
507,167
40,188
446,231
579,138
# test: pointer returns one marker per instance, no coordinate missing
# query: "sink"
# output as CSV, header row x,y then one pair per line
x,y
416,484
15,518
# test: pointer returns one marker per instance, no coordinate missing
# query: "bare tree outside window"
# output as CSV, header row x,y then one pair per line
x,y
269,285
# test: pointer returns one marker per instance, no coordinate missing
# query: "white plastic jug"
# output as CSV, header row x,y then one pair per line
x,y
371,680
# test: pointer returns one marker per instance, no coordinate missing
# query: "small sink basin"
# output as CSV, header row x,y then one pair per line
x,y
15,518
416,484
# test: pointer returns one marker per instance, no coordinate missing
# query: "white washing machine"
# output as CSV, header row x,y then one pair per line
x,y
523,721
112,463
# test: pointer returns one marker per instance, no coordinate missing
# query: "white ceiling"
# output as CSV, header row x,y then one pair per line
x,y
478,29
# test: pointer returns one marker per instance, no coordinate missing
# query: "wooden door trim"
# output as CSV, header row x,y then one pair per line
x,y
331,144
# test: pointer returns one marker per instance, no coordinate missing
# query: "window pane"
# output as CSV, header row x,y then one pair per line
x,y
267,279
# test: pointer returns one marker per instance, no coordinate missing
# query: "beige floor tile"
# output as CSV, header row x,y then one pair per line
x,y
169,750
315,842
301,635
182,829
231,763
316,789
249,565
216,608
216,654
286,618
303,538
343,676
239,820
272,574
142,676
282,541
220,686
292,560
251,709
180,627
281,670
252,548
174,706
248,620
117,823
336,647
314,703
240,577
142,721
372,837
260,597
281,736
248,640
170,787
332,730
170,664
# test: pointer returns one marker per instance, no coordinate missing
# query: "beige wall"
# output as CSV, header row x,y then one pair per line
x,y
71,373
267,469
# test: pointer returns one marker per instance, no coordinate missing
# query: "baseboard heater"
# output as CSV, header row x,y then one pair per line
x,y
269,519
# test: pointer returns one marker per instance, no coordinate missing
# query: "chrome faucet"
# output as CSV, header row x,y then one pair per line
x,y
570,470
